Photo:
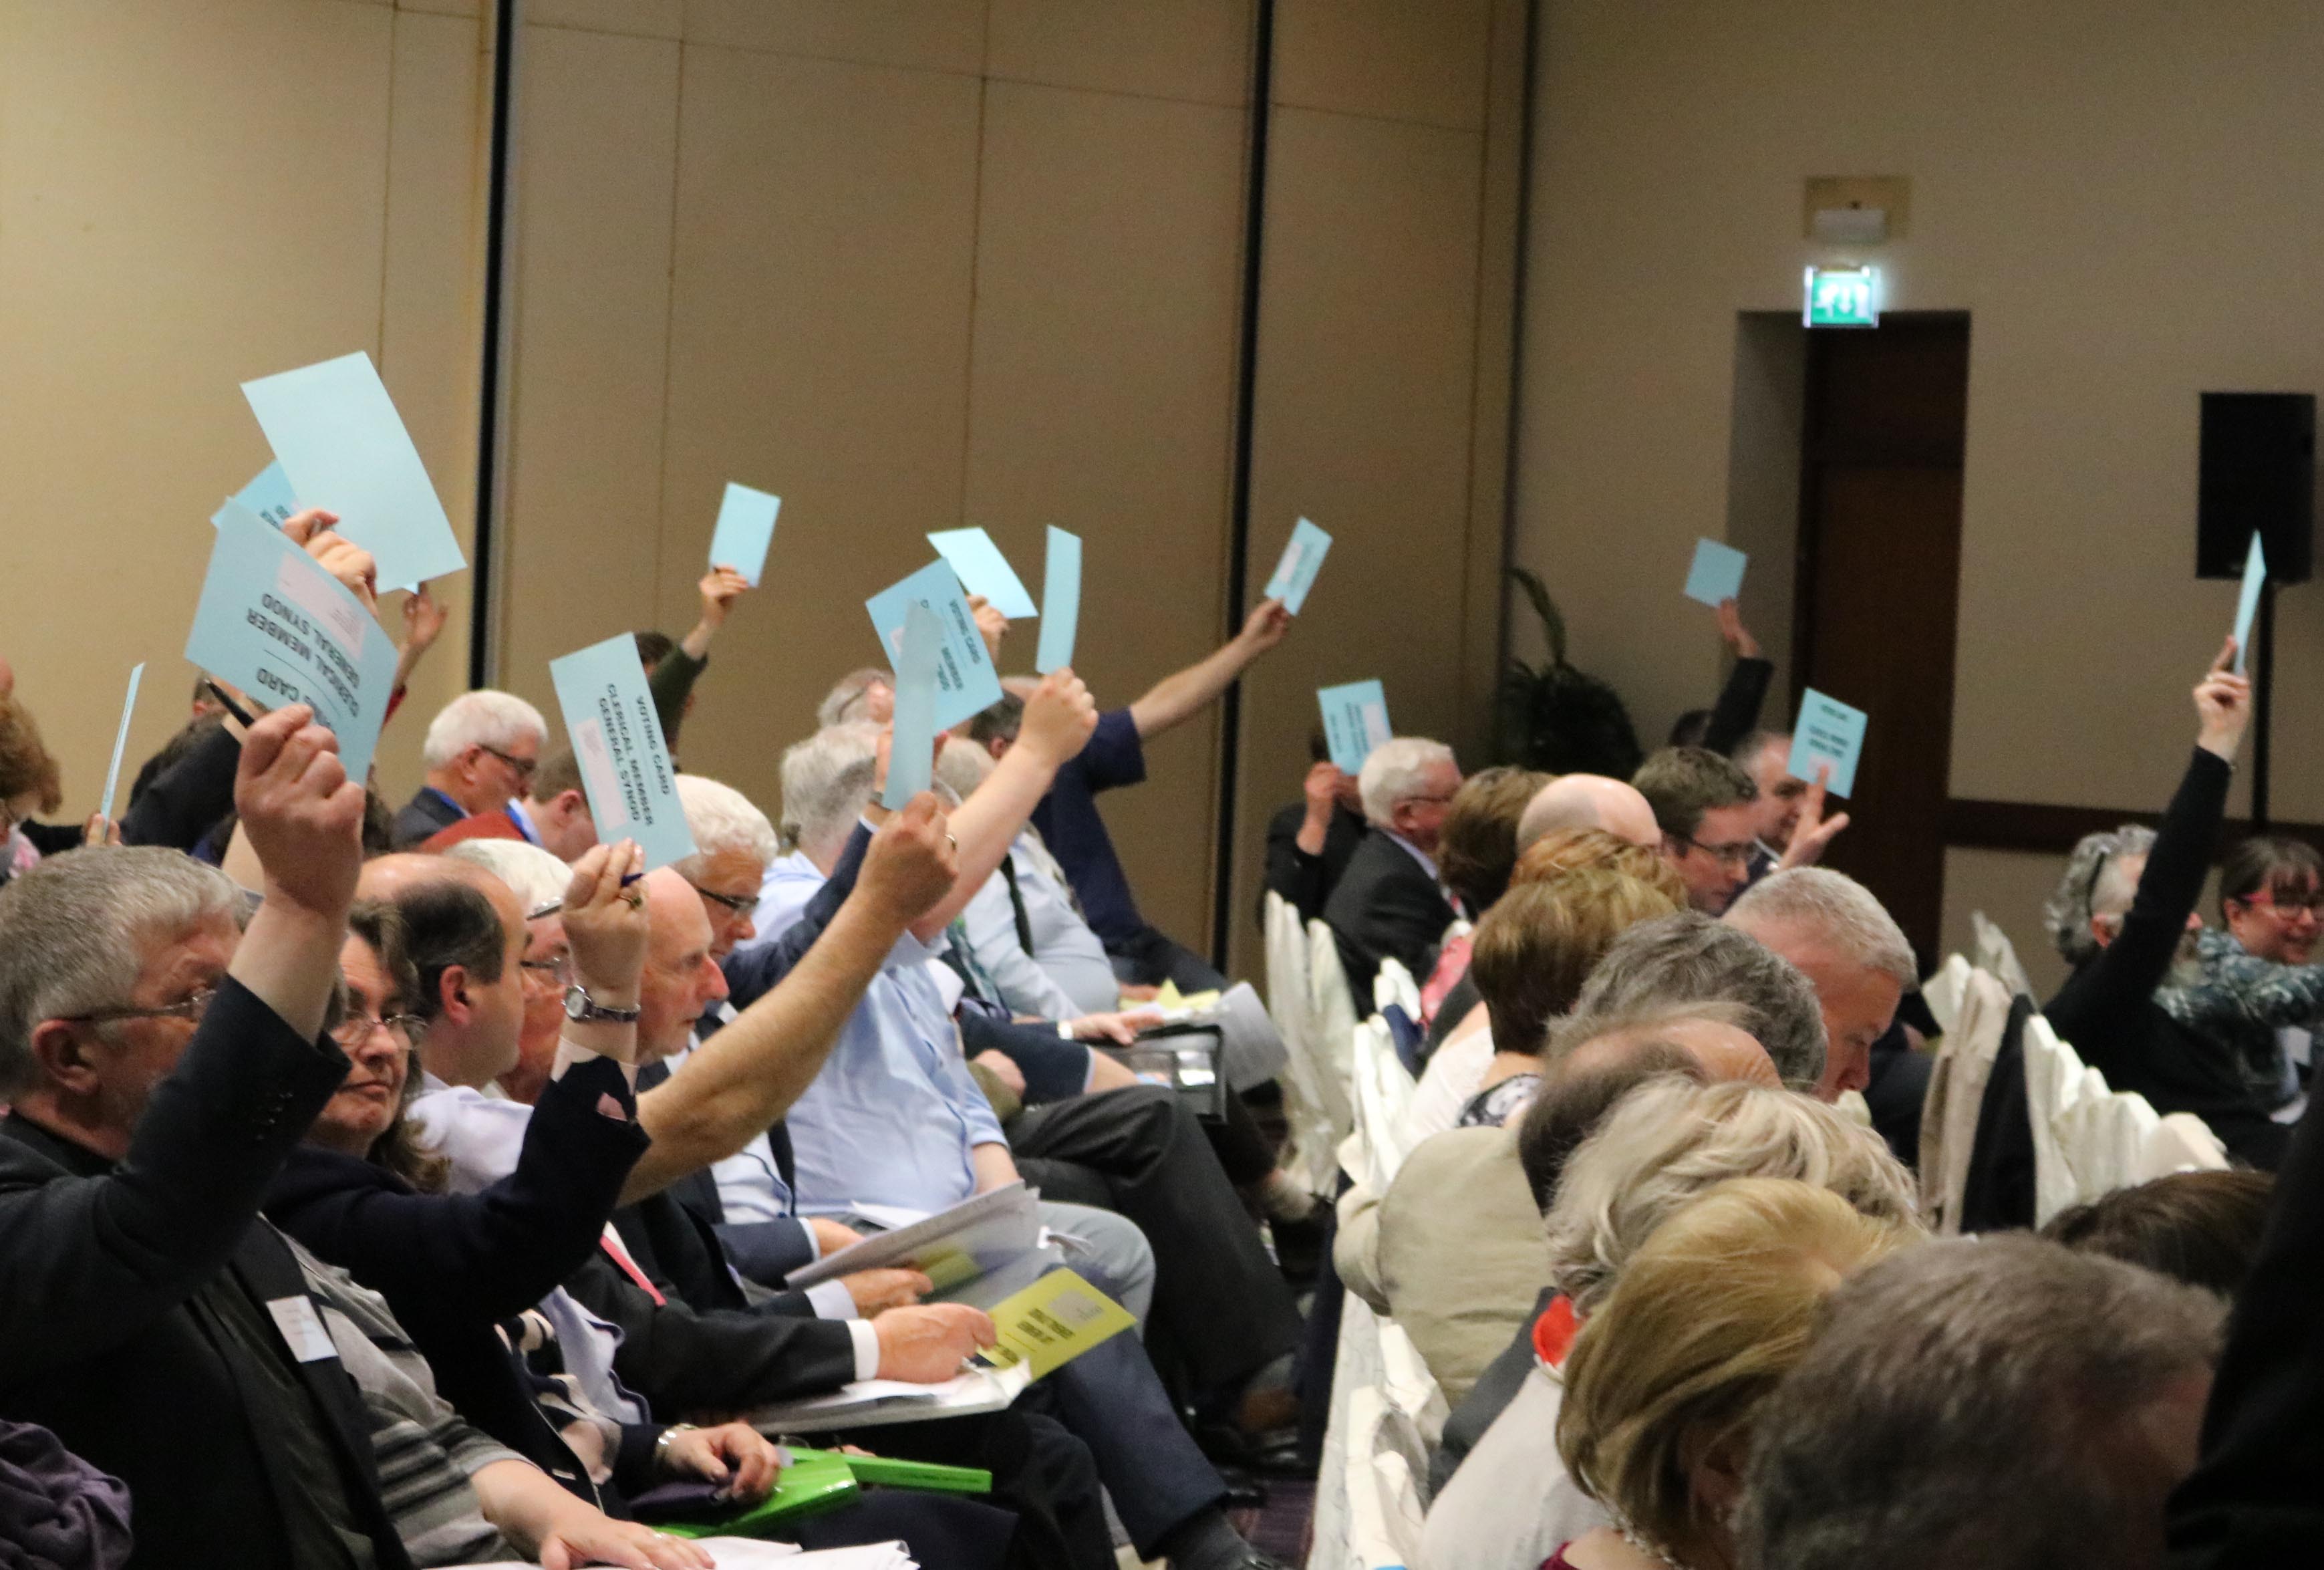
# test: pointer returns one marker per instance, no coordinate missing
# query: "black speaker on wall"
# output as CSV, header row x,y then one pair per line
x,y
2257,471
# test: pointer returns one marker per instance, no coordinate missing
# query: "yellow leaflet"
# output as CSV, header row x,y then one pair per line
x,y
1053,1322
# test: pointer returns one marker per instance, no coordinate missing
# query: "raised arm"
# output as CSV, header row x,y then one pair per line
x,y
1178,698
2134,964
1737,709
745,1077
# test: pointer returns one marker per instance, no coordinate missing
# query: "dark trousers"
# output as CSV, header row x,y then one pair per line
x,y
1039,1469
1149,957
1112,1401
1221,1309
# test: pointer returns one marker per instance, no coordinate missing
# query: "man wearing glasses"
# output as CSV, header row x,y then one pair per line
x,y
481,751
163,1060
1391,903
1706,809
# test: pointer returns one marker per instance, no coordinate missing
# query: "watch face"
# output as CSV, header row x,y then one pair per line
x,y
576,1002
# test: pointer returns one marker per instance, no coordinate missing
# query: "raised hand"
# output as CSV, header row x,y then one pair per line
x,y
606,923
1738,636
926,1344
345,560
1265,626
720,587
876,1291
303,815
911,862
1813,831
2223,704
1058,718
423,621
100,830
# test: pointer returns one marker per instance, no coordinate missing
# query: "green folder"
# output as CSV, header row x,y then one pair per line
x,y
817,1481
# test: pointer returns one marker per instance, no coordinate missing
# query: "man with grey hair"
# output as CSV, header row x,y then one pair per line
x,y
1830,926
1113,757
1391,903
163,1060
1588,801
481,751
2126,916
1663,965
2002,1402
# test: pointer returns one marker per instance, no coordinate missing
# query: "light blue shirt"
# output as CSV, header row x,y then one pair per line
x,y
891,1118
1068,974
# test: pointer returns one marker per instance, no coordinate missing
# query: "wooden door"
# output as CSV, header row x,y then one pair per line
x,y
1879,565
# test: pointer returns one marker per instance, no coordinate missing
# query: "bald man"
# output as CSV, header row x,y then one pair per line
x,y
1588,801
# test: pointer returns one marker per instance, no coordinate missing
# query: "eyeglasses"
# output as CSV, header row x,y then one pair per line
x,y
558,968
356,1030
2313,905
1732,856
522,768
190,1009
740,904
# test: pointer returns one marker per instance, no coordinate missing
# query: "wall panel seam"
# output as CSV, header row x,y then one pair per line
x,y
848,59
386,199
1477,130
1207,102
668,339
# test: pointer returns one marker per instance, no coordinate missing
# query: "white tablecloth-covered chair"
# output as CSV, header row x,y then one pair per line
x,y
1394,984
1330,1027
1974,1009
1386,1415
1996,956
2089,1139
1310,1156
1384,1088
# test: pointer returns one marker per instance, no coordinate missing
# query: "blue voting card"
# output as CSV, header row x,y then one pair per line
x,y
965,681
1061,601
1355,721
1302,558
273,622
1717,574
338,438
981,569
911,746
120,739
616,737
746,527
2247,603
268,494
1828,732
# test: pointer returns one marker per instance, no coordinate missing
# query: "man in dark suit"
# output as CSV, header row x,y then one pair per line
x,y
1310,842
161,1066
552,813
1389,904
482,751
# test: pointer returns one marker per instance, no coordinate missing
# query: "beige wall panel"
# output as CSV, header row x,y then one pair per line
x,y
943,35
820,350
430,317
160,242
597,158
638,18
1108,281
1365,383
1198,49
2077,214
443,8
1391,58
2009,887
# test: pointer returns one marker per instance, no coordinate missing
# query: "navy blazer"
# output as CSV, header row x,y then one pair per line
x,y
103,1340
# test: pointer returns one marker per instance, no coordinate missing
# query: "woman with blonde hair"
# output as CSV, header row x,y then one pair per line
x,y
1661,1381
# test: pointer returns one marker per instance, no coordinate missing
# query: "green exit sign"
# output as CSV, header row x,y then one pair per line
x,y
1842,297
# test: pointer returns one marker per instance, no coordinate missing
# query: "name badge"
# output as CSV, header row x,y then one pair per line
x,y
302,1328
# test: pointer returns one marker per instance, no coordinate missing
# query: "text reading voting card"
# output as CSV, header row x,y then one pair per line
x,y
1717,574
273,622
1828,732
746,527
965,682
336,434
1061,601
1302,559
981,569
268,494
625,769
1355,721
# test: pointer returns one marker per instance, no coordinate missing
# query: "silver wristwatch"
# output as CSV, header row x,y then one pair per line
x,y
582,1010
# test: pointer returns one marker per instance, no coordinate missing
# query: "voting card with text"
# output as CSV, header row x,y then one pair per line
x,y
273,622
1053,1322
1828,732
1355,721
965,680
268,494
626,770
912,728
1302,559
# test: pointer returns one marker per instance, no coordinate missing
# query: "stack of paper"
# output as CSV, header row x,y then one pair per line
x,y
871,1403
953,1248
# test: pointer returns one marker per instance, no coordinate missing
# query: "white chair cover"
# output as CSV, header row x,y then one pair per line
x,y
1311,1155
1394,984
1979,1006
1330,1027
1997,955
